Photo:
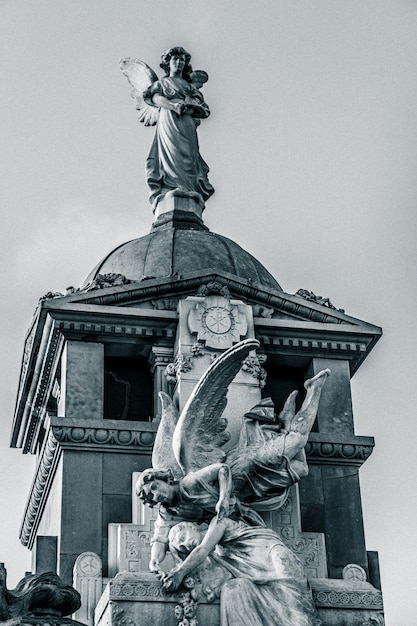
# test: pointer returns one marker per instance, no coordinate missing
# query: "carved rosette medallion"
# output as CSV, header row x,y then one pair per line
x,y
217,322
89,564
354,572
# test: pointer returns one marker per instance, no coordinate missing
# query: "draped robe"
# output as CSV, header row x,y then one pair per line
x,y
174,165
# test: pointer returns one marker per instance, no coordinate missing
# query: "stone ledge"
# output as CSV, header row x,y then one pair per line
x,y
140,599
346,594
321,449
103,435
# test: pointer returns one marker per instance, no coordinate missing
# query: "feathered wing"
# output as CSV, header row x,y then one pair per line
x,y
162,453
201,431
140,76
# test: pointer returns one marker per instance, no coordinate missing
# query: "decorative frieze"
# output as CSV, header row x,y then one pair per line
x,y
312,344
134,330
350,451
349,599
103,435
123,588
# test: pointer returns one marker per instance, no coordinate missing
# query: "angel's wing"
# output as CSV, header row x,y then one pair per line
x,y
140,76
162,453
201,430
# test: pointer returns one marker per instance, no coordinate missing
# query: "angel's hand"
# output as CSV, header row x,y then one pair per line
x,y
171,580
222,508
179,108
154,566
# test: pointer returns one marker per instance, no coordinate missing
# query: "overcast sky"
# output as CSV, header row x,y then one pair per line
x,y
312,146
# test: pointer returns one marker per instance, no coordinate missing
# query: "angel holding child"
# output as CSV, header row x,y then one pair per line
x,y
176,105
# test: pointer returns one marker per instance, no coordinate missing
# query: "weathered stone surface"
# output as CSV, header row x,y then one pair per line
x,y
82,379
45,554
309,547
135,600
88,581
335,411
348,603
141,600
180,252
38,599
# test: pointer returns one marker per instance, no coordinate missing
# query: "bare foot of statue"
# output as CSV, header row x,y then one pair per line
x,y
318,380
300,425
303,421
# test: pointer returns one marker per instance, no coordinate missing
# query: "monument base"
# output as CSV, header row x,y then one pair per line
x,y
179,200
140,601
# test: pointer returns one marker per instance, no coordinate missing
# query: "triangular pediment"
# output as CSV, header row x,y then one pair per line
x,y
163,294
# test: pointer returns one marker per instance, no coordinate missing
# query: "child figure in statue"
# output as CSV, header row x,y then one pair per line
x,y
258,579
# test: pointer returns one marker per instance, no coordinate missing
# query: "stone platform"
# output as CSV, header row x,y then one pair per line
x,y
140,601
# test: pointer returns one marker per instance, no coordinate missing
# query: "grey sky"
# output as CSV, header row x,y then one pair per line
x,y
312,146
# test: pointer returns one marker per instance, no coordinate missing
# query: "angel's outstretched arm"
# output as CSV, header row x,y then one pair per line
x,y
159,542
158,553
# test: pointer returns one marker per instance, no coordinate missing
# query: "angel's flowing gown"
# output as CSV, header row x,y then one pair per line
x,y
267,585
174,162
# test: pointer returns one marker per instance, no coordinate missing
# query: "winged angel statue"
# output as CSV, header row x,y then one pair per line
x,y
175,105
208,499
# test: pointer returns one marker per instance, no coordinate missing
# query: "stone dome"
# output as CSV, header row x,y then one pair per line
x,y
181,252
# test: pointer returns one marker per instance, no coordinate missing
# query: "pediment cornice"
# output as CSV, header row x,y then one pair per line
x,y
284,323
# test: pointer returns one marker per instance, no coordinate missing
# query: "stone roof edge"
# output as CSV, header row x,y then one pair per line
x,y
149,289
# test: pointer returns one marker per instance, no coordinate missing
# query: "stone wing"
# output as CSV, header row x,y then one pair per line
x,y
201,430
140,76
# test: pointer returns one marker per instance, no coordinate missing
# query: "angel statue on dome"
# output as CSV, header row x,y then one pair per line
x,y
194,480
176,105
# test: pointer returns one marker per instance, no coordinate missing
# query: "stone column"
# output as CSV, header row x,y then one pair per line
x,y
82,380
335,413
82,508
159,358
331,501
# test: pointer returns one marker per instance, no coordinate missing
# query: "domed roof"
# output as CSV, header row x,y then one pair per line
x,y
180,252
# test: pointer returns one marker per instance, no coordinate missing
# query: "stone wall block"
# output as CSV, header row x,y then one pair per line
x,y
335,413
82,380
